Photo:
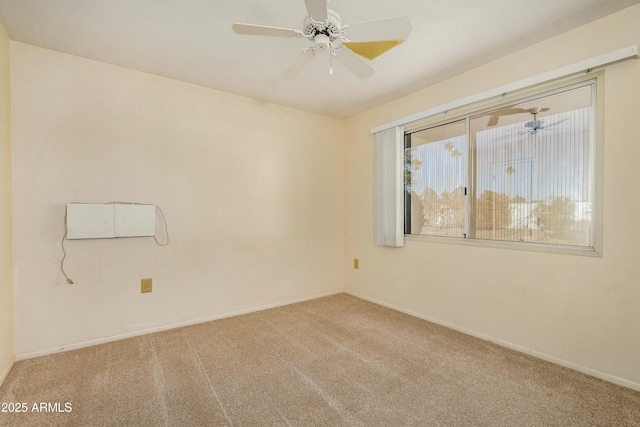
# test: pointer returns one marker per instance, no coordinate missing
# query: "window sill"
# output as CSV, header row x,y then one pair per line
x,y
493,244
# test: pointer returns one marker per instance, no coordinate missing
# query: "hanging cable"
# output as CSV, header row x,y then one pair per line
x,y
166,232
64,237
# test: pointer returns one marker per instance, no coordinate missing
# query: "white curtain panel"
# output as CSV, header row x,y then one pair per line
x,y
389,187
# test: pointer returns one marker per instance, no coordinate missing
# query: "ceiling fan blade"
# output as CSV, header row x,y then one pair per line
x,y
317,9
509,111
301,61
261,30
496,114
356,65
371,50
535,110
493,120
397,28
371,39
555,123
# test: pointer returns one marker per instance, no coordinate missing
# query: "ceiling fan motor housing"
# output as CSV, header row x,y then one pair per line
x,y
330,28
535,124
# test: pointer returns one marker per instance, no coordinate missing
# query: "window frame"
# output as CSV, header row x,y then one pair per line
x,y
524,95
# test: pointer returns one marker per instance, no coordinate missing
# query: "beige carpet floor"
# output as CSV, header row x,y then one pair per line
x,y
334,361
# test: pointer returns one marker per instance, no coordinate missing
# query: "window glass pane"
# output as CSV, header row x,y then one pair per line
x,y
532,170
435,172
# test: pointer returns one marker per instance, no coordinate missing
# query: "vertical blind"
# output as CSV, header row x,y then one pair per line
x,y
389,212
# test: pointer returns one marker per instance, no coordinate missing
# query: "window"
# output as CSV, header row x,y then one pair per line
x,y
523,172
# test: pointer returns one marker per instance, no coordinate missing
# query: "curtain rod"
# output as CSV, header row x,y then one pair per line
x,y
578,67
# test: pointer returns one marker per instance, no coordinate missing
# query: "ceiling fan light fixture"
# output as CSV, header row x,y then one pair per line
x,y
322,42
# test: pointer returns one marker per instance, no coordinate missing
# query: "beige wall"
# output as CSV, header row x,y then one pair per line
x,y
252,194
579,311
6,239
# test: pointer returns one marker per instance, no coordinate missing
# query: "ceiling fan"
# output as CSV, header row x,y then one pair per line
x,y
347,43
531,127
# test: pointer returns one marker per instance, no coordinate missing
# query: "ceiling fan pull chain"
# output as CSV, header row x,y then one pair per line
x,y
331,53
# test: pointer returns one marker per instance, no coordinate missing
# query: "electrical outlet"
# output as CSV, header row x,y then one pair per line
x,y
146,285
356,263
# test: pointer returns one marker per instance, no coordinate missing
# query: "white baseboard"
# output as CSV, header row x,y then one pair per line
x,y
591,372
166,327
5,373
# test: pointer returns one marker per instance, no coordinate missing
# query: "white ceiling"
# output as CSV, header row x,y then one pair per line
x,y
192,41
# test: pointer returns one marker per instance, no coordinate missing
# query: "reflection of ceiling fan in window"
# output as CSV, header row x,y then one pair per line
x,y
532,127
